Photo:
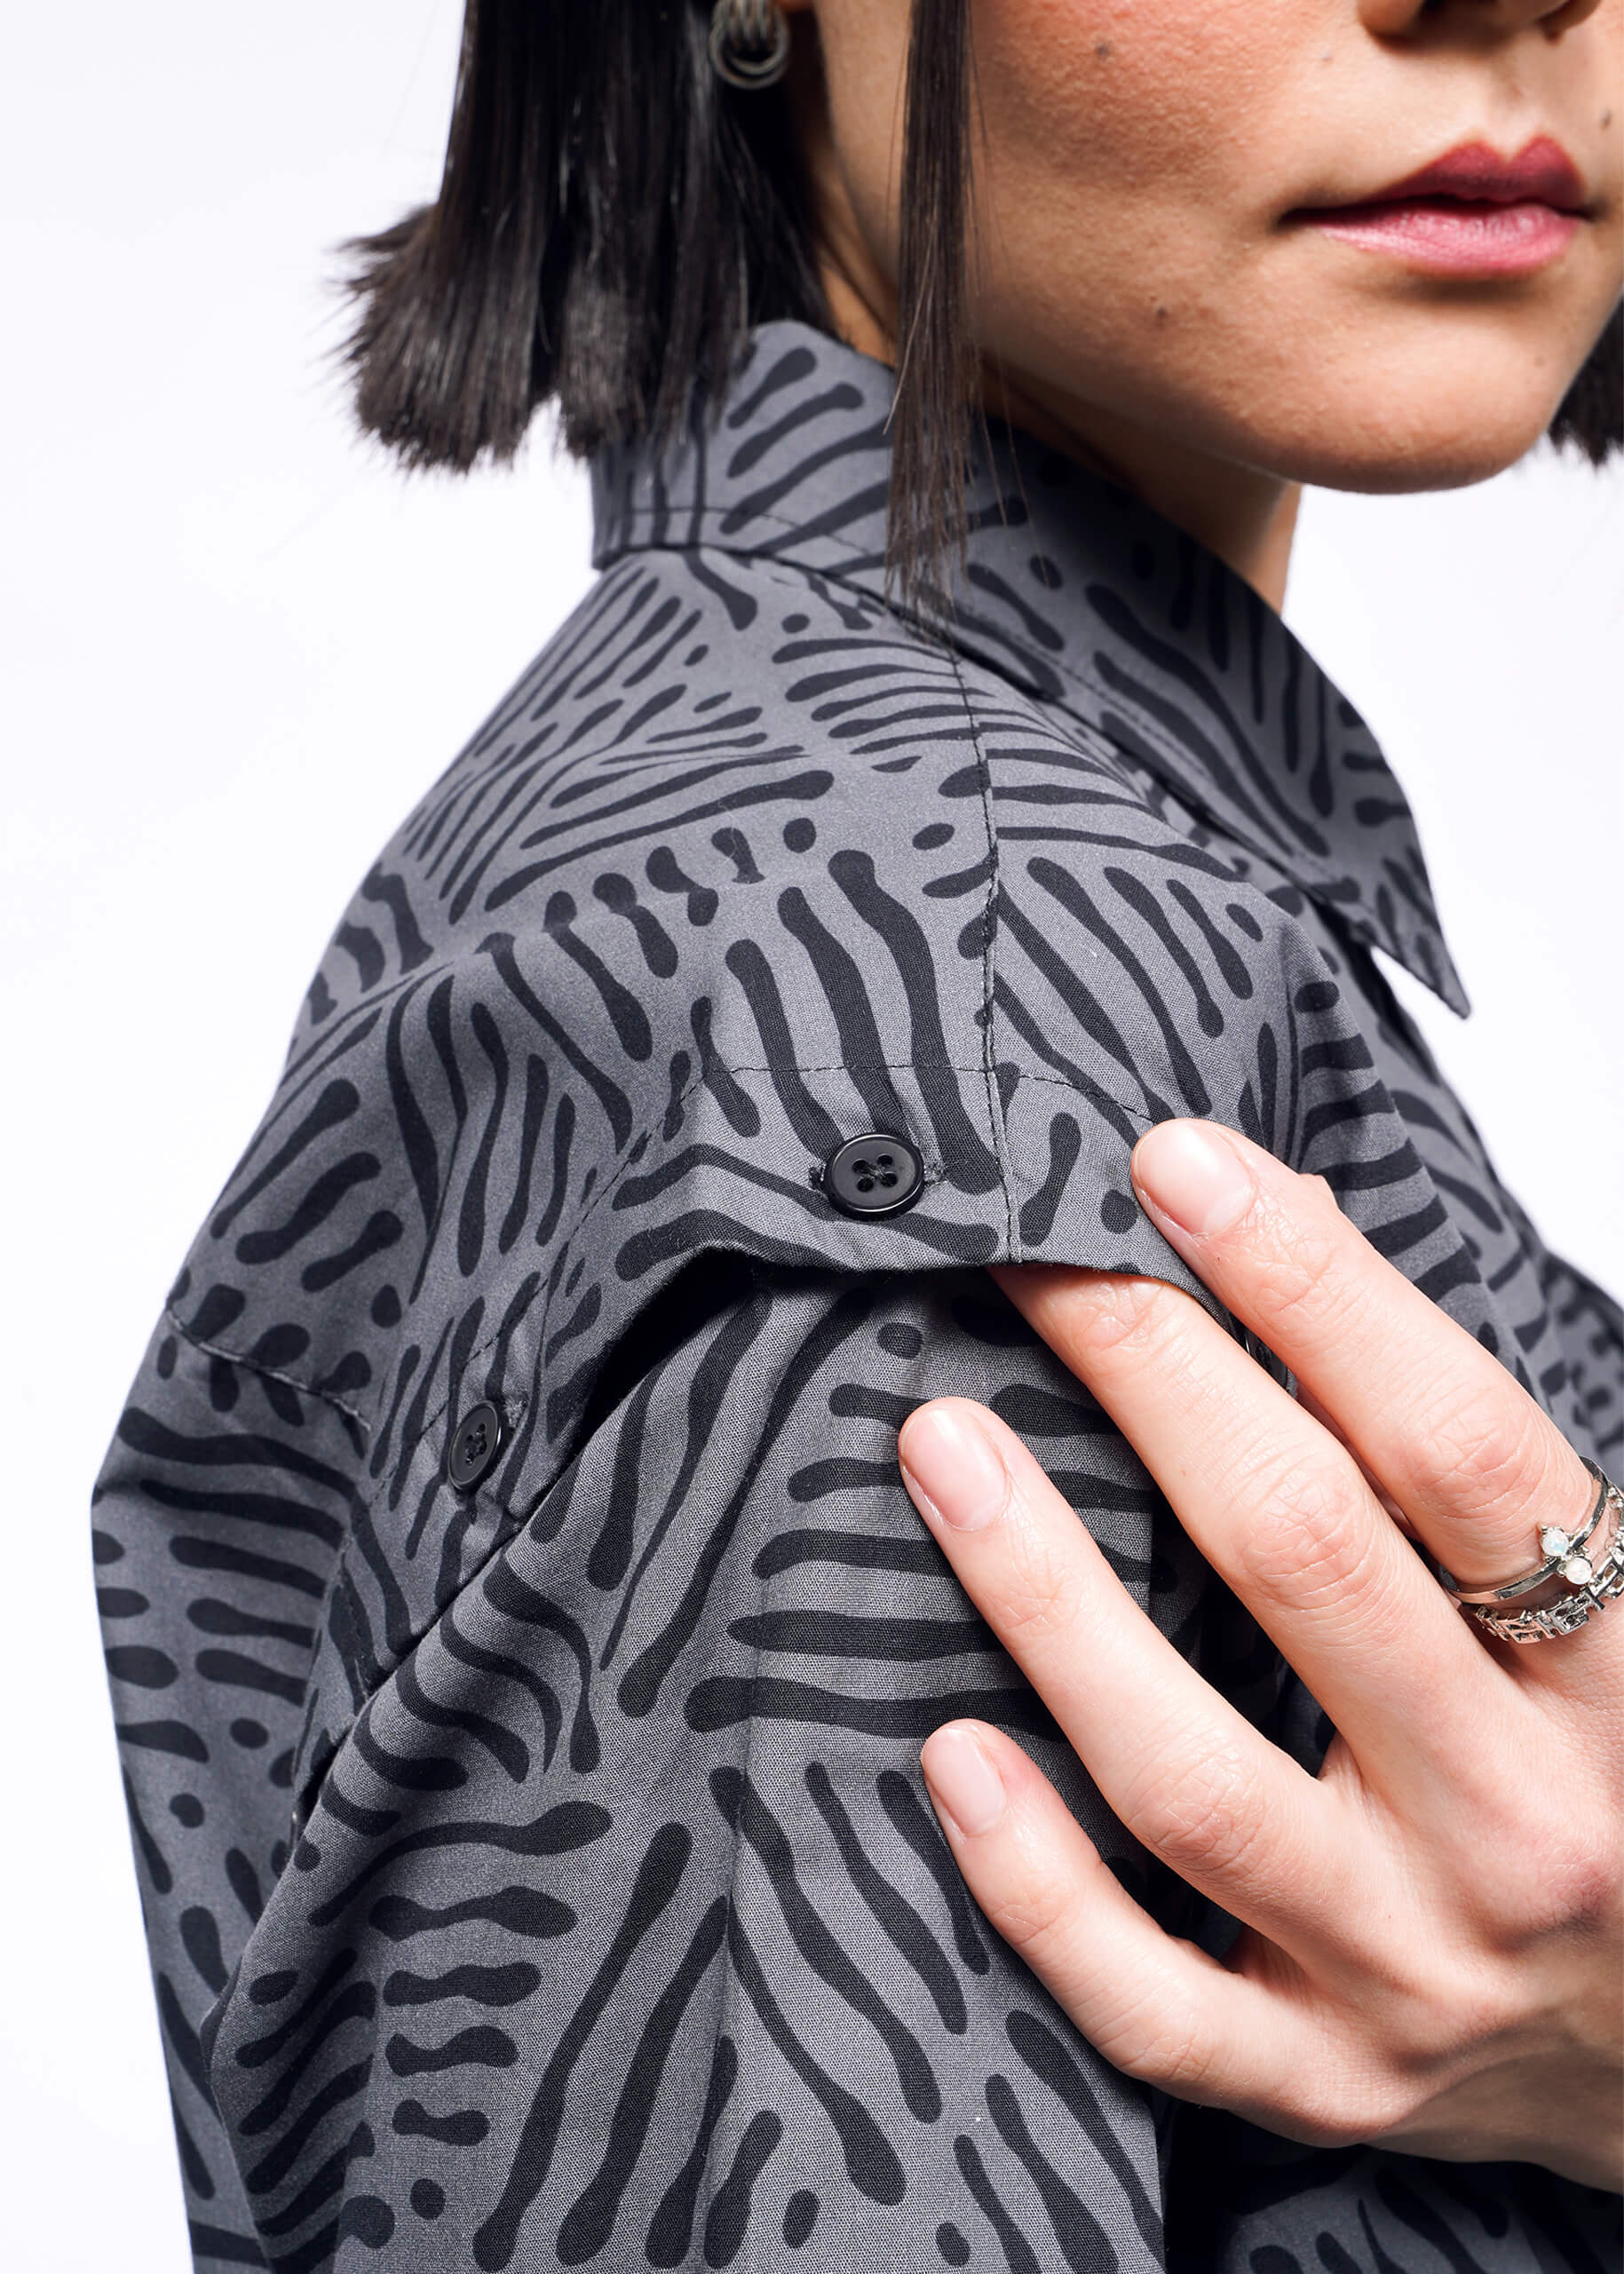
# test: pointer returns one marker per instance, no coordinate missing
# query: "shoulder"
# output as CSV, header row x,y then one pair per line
x,y
1145,960
742,867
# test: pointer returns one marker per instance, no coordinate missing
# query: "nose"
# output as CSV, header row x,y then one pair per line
x,y
1412,19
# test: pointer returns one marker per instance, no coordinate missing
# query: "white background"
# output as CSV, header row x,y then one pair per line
x,y
237,646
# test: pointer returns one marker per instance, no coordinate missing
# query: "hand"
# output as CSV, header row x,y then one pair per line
x,y
1430,1955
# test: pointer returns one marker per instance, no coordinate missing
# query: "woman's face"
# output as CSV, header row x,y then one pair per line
x,y
1145,174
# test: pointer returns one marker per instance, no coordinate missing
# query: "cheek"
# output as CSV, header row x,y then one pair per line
x,y
1133,161
1171,97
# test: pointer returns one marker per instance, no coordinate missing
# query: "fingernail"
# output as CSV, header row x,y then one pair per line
x,y
964,1781
956,1471
1190,1174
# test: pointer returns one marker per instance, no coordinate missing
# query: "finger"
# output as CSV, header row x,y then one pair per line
x,y
1327,1421
1158,2008
1190,1777
1281,1512
1437,1419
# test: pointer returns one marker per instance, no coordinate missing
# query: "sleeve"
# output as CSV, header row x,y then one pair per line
x,y
620,1929
219,1514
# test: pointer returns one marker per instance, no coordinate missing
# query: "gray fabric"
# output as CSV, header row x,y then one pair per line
x,y
545,1876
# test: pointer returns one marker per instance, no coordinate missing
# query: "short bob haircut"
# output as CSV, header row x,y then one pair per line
x,y
612,218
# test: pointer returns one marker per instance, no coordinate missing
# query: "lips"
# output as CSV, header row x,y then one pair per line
x,y
1543,174
1470,212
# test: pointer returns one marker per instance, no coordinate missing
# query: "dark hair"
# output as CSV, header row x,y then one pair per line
x,y
612,220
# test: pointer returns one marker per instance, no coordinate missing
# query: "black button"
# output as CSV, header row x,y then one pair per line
x,y
475,1443
874,1174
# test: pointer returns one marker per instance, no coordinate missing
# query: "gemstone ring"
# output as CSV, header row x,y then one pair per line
x,y
1594,1575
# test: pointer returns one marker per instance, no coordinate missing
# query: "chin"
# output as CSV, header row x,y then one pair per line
x,y
1429,444
1439,405
1428,463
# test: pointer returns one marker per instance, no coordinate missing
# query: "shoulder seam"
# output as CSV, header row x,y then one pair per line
x,y
989,938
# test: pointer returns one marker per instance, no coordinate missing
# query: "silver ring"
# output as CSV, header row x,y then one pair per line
x,y
1593,1580
750,42
1564,1553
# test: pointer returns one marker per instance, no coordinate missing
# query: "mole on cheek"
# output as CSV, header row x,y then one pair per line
x,y
1102,49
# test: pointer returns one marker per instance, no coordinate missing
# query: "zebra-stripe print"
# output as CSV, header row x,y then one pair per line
x,y
543,1875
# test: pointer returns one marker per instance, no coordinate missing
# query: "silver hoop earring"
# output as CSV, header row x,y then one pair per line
x,y
750,42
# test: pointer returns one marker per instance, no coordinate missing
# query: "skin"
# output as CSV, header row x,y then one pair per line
x,y
1432,1928
1207,351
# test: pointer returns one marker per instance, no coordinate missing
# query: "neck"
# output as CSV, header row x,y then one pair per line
x,y
1245,516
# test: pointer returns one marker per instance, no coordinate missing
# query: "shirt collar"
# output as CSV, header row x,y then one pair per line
x,y
1075,590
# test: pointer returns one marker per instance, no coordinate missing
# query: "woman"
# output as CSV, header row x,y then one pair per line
x,y
897,970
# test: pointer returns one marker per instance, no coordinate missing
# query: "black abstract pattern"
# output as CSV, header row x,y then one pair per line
x,y
543,1876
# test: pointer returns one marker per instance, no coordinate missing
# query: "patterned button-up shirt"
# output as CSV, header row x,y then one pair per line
x,y
538,1870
